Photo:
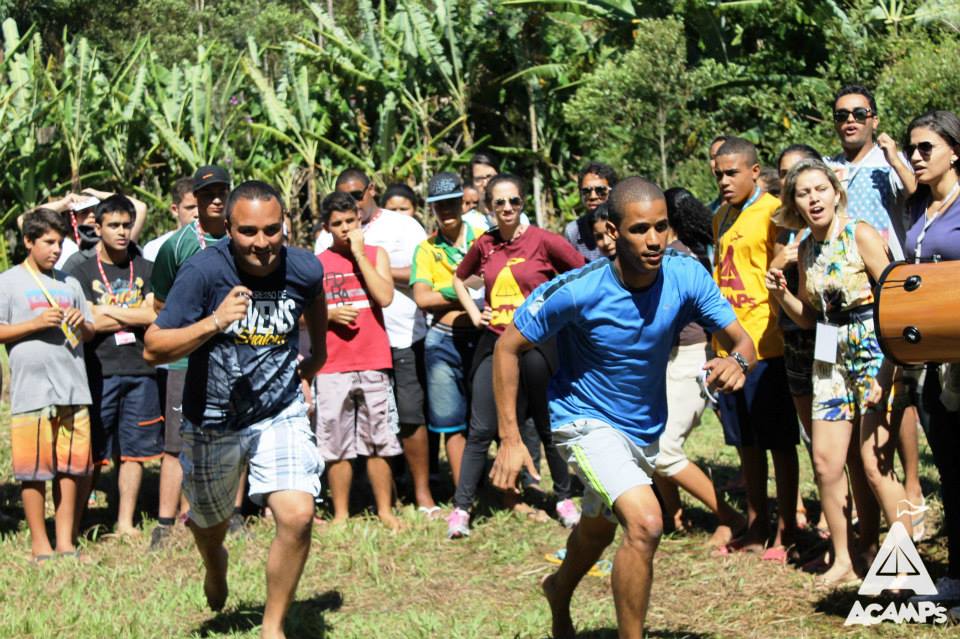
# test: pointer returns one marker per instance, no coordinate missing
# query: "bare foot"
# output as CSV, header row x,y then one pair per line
x,y
127,531
838,575
722,536
215,582
562,627
272,634
391,522
339,519
531,513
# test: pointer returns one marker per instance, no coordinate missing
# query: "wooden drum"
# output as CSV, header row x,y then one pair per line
x,y
917,312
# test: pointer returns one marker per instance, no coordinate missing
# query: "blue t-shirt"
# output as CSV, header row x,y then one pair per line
x,y
614,343
249,372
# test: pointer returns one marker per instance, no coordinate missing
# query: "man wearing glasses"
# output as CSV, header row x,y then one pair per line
x,y
877,178
594,182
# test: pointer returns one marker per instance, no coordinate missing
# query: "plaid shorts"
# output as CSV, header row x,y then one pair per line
x,y
281,453
50,441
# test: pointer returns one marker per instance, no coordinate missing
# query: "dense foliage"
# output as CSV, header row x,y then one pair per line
x,y
131,95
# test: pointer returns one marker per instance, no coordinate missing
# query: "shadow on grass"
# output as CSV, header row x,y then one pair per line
x,y
305,618
611,633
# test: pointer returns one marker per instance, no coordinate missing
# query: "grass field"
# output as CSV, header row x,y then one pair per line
x,y
361,581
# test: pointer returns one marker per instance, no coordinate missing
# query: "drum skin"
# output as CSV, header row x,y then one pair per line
x,y
917,312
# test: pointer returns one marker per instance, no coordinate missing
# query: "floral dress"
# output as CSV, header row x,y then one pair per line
x,y
837,278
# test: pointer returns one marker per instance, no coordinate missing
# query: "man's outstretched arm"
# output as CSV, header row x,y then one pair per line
x,y
726,373
164,345
512,454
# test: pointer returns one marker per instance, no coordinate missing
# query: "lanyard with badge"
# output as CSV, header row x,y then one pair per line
x,y
828,335
122,337
930,219
72,338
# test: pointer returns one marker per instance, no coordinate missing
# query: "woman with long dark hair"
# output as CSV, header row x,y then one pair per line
x,y
932,145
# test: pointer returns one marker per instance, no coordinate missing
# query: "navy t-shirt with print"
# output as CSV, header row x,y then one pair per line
x,y
248,372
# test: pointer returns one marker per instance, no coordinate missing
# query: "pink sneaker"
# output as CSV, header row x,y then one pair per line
x,y
458,524
568,513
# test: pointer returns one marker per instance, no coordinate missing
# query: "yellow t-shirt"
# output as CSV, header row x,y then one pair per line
x,y
435,261
743,255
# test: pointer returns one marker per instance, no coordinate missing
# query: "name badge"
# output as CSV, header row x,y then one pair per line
x,y
124,337
825,348
72,338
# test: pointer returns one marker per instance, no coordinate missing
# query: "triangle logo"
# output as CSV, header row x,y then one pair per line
x,y
897,567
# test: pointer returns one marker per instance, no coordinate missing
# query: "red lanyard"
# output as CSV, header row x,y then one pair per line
x,y
200,238
106,282
76,227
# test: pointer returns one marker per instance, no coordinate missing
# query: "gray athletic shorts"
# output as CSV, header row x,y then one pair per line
x,y
607,462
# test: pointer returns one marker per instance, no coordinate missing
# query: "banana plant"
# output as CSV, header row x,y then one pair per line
x,y
192,114
78,89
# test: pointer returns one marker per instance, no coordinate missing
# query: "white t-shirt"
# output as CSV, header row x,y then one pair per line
x,y
69,248
399,236
153,246
875,194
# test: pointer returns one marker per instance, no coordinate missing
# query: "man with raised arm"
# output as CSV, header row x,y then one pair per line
x,y
234,309
614,322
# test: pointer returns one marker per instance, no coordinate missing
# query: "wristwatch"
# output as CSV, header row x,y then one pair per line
x,y
741,361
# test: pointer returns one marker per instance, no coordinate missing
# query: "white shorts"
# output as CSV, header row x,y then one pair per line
x,y
606,460
685,406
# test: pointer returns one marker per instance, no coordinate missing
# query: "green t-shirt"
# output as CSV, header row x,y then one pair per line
x,y
178,248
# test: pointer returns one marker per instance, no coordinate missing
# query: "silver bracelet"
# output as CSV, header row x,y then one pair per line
x,y
217,322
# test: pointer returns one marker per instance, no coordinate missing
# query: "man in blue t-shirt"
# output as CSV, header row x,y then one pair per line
x,y
615,322
234,309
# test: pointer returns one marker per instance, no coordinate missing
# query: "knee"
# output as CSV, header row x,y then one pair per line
x,y
642,532
827,468
295,519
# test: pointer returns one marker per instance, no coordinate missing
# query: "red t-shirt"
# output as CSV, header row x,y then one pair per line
x,y
511,270
363,344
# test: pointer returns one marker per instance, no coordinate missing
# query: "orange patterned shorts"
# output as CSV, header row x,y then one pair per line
x,y
54,440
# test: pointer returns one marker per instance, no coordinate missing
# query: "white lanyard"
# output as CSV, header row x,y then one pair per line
x,y
743,207
930,219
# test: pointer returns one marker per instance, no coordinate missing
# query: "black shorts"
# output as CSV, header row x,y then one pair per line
x,y
409,383
761,414
798,360
173,411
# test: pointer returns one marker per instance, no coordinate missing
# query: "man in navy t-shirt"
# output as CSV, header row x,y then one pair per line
x,y
615,322
235,310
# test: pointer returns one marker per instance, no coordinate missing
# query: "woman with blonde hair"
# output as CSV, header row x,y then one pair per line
x,y
839,262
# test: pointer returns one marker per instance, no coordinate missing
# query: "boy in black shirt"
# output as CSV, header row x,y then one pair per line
x,y
127,417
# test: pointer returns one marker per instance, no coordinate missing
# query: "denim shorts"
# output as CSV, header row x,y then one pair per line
x,y
448,353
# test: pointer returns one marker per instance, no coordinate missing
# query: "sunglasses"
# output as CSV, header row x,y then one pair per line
x,y
925,149
860,114
514,201
357,195
601,191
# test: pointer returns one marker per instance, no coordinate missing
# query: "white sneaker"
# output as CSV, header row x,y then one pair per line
x,y
568,513
947,590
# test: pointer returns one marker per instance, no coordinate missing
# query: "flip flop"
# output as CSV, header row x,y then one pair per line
x,y
778,554
602,568
431,513
38,560
918,516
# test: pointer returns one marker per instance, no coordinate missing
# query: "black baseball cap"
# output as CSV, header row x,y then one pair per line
x,y
444,186
210,174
